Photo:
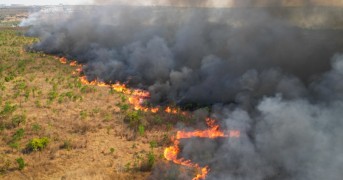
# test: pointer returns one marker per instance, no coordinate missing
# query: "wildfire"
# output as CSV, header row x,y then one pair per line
x,y
171,153
63,60
73,63
171,110
84,80
137,98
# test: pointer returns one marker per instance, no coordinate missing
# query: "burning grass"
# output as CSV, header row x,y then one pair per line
x,y
50,107
137,98
47,106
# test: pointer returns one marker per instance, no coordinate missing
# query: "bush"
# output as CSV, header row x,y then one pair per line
x,y
153,144
36,127
66,145
141,130
133,119
18,119
36,144
14,145
124,107
123,98
9,77
21,163
149,162
18,135
87,89
52,95
8,109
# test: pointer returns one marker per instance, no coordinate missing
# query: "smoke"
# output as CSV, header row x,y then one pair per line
x,y
263,73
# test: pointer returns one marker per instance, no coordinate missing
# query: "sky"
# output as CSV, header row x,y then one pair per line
x,y
217,3
44,2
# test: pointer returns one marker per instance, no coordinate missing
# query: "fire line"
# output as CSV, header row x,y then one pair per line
x,y
136,99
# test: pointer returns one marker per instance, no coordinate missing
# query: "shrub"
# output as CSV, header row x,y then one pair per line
x,y
8,109
124,107
141,129
149,162
27,94
21,85
158,120
83,114
36,127
127,166
153,144
69,94
133,119
123,98
2,86
21,66
151,159
87,89
36,144
21,163
14,145
108,117
18,135
10,77
66,145
112,91
18,119
52,95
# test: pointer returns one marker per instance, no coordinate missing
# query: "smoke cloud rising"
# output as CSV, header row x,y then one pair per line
x,y
274,73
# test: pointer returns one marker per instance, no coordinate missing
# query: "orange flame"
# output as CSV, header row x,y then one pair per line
x,y
171,153
171,110
73,63
63,60
136,99
95,82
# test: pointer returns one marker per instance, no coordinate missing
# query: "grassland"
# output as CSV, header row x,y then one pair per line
x,y
11,16
54,127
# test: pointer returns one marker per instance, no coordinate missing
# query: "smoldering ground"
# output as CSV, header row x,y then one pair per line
x,y
274,79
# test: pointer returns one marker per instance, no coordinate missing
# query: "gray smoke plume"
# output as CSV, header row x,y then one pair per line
x,y
264,71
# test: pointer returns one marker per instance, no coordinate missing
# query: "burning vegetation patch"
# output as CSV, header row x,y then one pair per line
x,y
273,86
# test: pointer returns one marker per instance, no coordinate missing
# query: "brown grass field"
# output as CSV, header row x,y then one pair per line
x,y
54,127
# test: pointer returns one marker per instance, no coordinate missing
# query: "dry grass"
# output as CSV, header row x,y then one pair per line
x,y
88,138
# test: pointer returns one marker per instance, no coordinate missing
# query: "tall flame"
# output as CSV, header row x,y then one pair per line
x,y
136,99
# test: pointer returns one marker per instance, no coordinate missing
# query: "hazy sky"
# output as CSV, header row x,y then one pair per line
x,y
44,2
217,3
129,2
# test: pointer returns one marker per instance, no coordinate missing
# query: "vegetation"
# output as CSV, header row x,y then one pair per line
x,y
133,118
66,145
7,109
36,144
21,163
18,119
49,119
141,129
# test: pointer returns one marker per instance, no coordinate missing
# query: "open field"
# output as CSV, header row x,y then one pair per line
x,y
11,16
52,126
226,93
